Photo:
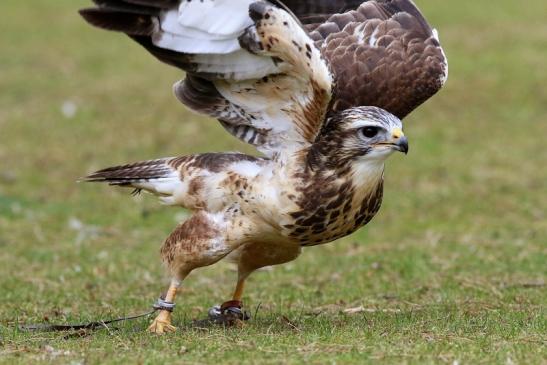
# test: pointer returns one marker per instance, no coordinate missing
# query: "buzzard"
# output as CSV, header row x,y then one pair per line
x,y
318,86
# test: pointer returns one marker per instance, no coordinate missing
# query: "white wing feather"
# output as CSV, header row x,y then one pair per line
x,y
225,18
186,29
238,65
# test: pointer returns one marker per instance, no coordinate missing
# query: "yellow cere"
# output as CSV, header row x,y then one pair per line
x,y
398,133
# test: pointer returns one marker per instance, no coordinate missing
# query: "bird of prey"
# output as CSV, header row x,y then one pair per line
x,y
319,87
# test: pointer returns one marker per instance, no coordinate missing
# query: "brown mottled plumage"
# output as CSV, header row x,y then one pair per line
x,y
318,86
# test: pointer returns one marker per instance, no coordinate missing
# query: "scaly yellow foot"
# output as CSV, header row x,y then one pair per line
x,y
162,324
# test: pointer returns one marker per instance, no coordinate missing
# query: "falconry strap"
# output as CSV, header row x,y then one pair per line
x,y
160,304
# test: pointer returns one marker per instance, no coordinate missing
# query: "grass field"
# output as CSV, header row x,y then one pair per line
x,y
453,269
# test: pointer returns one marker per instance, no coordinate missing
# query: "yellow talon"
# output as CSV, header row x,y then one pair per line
x,y
162,324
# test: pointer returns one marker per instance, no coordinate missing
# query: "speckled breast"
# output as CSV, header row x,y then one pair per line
x,y
332,213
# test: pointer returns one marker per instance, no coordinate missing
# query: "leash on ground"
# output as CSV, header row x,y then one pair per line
x,y
160,304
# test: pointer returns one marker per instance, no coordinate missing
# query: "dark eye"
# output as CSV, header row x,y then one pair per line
x,y
370,132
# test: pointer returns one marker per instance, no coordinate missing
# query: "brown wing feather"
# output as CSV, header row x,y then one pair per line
x,y
383,54
309,10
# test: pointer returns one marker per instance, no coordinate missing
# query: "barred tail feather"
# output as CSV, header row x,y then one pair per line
x,y
154,176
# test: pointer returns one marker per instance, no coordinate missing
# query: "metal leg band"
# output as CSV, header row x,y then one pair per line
x,y
161,304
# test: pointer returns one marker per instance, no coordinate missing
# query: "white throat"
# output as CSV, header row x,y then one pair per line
x,y
368,172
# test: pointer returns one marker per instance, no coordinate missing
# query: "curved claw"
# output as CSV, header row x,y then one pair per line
x,y
160,327
162,324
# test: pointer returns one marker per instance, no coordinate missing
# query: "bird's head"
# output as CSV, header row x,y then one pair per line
x,y
361,134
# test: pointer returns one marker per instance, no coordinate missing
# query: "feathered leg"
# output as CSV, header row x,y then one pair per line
x,y
199,241
250,258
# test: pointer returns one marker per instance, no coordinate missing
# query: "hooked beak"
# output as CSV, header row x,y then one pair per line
x,y
402,145
400,142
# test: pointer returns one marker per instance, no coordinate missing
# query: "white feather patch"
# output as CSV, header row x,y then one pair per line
x,y
206,27
167,186
238,65
444,76
222,17
181,43
246,168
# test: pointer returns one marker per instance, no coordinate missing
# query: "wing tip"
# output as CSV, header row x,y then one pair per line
x,y
444,76
132,24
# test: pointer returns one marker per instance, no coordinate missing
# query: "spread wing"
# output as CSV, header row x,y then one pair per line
x,y
272,79
249,64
